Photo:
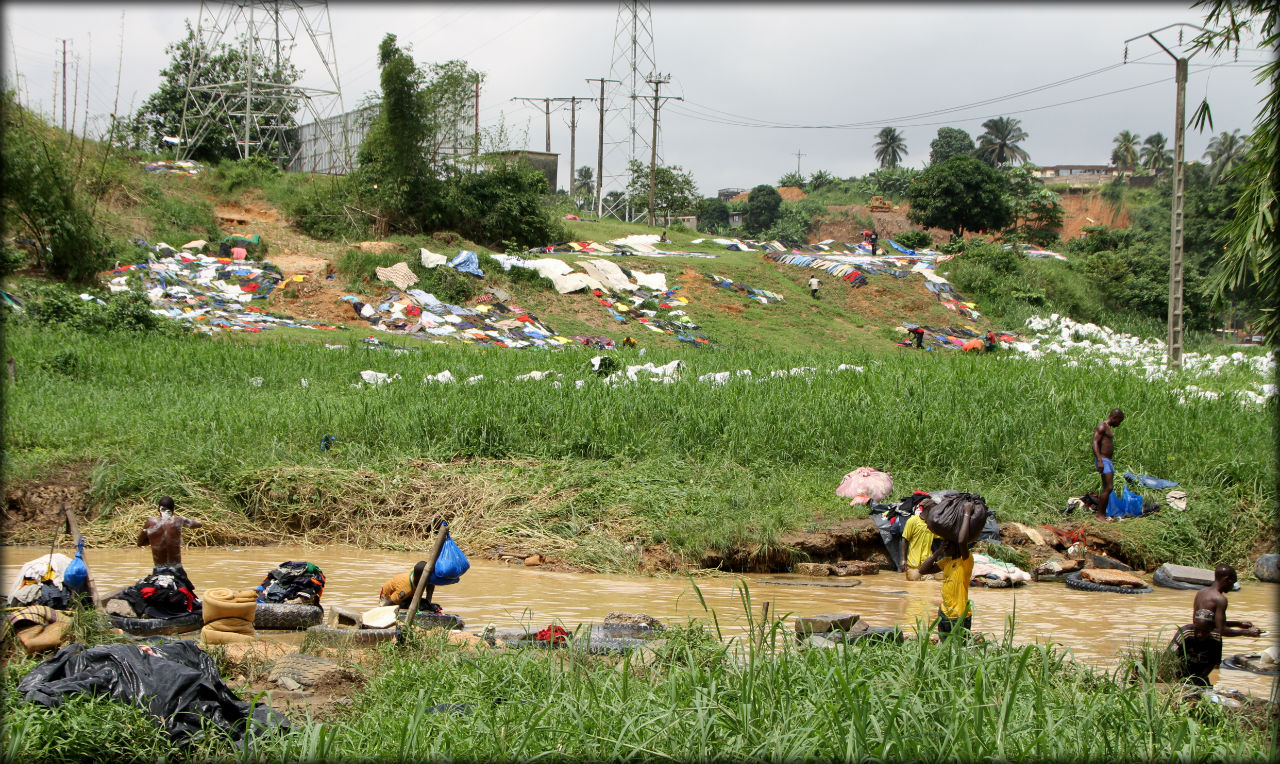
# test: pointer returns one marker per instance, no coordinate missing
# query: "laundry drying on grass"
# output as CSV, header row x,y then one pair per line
x,y
210,293
762,296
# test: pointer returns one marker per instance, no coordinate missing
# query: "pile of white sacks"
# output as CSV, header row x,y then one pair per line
x,y
1057,335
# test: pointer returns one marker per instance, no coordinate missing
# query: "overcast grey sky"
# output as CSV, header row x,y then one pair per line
x,y
737,65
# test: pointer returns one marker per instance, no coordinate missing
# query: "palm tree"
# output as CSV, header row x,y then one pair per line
x,y
1155,157
999,144
1125,155
891,147
1225,152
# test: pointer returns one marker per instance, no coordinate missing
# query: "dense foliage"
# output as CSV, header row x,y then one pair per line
x,y
40,200
674,192
951,141
713,215
961,194
763,207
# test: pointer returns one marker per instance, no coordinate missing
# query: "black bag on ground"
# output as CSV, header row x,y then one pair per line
x,y
299,583
946,511
176,682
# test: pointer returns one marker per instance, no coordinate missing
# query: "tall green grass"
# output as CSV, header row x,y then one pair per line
x,y
695,698
698,464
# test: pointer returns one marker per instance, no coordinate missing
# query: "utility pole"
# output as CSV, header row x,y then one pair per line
x,y
546,105
476,150
798,155
64,83
1176,224
600,147
657,80
573,141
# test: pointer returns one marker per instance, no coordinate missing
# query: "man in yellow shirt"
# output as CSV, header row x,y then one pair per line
x,y
956,563
399,590
917,540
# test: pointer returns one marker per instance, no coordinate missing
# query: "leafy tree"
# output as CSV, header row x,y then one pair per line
x,y
1037,211
793,179
795,221
674,192
394,173
1125,155
999,143
763,207
584,184
821,179
961,194
951,141
713,215
890,147
1252,259
1155,157
1225,153
161,114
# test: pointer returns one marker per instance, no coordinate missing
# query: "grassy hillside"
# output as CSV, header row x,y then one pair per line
x,y
575,473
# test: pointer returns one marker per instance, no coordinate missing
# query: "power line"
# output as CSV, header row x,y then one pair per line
x,y
897,123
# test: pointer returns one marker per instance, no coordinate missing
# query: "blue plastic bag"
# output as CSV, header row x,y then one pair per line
x,y
1125,504
450,565
76,576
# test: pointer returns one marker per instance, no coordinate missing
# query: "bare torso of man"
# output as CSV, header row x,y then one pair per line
x,y
1106,440
164,536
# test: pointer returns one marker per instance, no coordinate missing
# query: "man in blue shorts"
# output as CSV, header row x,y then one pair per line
x,y
1104,448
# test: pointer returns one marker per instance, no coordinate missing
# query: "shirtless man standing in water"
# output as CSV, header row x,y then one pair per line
x,y
1104,448
164,535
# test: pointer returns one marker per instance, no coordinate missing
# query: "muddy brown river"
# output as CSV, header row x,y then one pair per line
x,y
1094,626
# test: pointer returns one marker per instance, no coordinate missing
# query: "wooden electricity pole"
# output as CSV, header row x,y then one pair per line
x,y
657,81
600,148
546,105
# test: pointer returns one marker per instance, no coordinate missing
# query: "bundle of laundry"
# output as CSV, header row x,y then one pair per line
x,y
944,512
39,582
293,583
228,616
864,485
166,593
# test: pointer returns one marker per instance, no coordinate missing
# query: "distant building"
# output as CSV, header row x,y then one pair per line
x,y
1077,174
544,162
726,194
735,219
788,194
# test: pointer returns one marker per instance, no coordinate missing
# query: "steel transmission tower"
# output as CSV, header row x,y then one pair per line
x,y
628,112
261,111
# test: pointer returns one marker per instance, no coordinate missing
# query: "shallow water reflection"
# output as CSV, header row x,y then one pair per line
x,y
1093,626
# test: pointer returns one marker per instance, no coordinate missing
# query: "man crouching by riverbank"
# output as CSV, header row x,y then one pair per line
x,y
1214,599
164,535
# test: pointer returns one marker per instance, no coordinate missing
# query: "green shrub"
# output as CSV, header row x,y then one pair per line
x,y
235,176
327,209
40,199
914,239
130,312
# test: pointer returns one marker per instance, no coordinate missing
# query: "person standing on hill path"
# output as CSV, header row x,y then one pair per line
x,y
164,535
1104,448
813,287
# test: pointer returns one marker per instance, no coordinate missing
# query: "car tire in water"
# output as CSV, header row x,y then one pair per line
x,y
1161,578
283,617
1074,581
150,627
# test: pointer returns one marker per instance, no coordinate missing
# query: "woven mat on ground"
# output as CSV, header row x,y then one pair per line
x,y
398,274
